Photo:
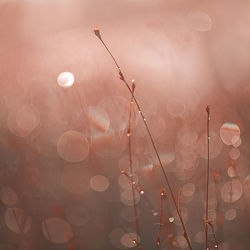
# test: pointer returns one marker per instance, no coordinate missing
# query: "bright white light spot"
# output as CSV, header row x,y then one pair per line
x,y
171,219
65,79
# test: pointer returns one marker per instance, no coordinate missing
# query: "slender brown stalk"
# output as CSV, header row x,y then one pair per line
x,y
215,239
207,184
97,33
163,196
137,225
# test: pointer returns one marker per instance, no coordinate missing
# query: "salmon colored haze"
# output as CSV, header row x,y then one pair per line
x,y
111,151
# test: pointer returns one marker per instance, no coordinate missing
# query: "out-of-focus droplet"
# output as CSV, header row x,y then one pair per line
x,y
234,153
127,197
171,219
127,240
231,191
65,79
73,146
199,21
229,132
17,221
125,181
246,186
231,172
23,120
55,229
215,145
230,214
99,183
236,141
140,190
154,212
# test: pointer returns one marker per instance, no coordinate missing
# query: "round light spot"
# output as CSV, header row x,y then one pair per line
x,y
171,219
17,221
65,79
127,197
234,153
127,240
229,133
154,212
99,183
231,172
73,146
231,190
56,230
199,21
236,141
125,181
215,145
23,120
246,186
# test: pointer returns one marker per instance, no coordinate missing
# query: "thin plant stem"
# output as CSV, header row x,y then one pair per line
x,y
207,183
137,225
163,196
97,33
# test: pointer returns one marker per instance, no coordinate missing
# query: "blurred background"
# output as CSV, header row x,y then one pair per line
x,y
63,147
